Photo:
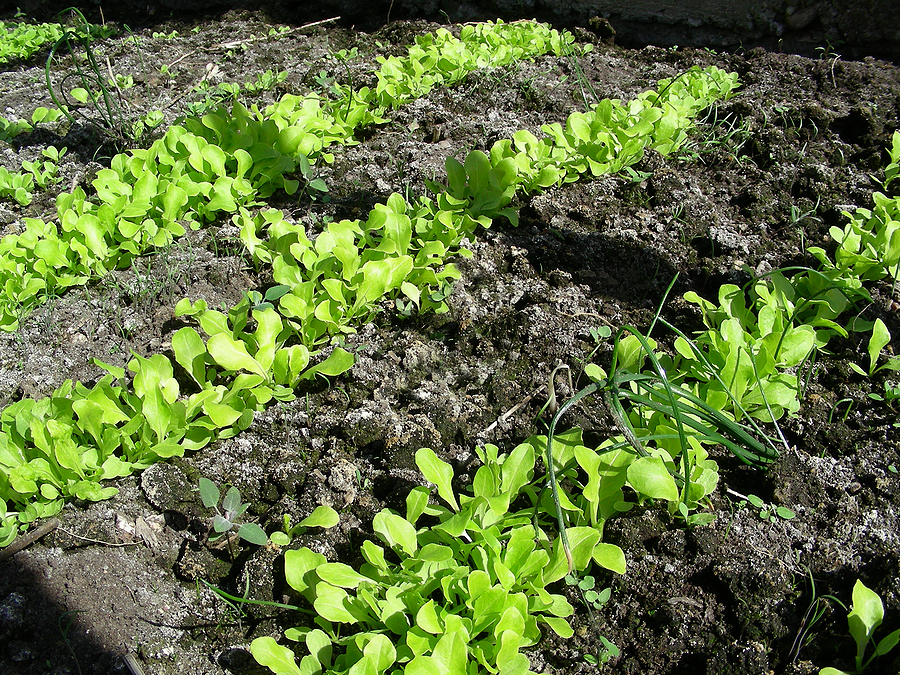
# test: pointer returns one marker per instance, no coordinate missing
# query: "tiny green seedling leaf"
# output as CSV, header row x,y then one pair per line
x,y
80,94
322,516
209,493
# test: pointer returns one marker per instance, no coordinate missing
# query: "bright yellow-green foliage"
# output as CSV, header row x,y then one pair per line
x,y
21,40
225,162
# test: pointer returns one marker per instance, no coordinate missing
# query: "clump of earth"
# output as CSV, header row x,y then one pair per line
x,y
766,175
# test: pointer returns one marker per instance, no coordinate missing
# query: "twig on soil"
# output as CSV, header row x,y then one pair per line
x,y
102,543
513,410
578,314
29,539
132,664
238,43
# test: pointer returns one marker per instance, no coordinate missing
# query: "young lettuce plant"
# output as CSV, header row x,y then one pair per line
x,y
866,615
22,40
675,419
752,352
322,516
879,339
464,590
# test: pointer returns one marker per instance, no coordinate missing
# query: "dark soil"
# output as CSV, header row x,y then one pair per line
x,y
768,173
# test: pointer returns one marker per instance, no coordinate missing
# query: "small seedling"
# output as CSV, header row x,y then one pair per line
x,y
636,176
605,653
259,302
770,512
121,81
798,215
315,188
818,608
880,339
587,586
600,333
866,614
891,394
265,81
232,509
363,483
322,516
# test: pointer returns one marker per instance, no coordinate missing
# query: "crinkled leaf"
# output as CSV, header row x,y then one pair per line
x,y
339,361
190,353
341,575
559,626
330,603
232,354
300,566
650,478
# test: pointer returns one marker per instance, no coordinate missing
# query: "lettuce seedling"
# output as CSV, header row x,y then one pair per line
x,y
322,516
879,339
465,591
866,615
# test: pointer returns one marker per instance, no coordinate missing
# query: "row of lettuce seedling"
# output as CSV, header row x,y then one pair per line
x,y
469,591
255,353
334,284
64,445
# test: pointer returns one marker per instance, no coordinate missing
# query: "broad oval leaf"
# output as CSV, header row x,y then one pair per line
x,y
381,651
322,516
650,478
300,566
330,603
253,533
341,575
209,493
272,655
610,556
190,352
867,612
232,354
396,531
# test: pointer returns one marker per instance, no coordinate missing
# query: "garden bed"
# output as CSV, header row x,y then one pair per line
x,y
766,175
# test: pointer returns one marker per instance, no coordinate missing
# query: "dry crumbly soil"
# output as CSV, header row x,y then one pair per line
x,y
801,137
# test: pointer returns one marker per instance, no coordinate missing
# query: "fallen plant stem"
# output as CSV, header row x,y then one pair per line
x,y
246,601
97,541
512,411
256,38
28,539
551,470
